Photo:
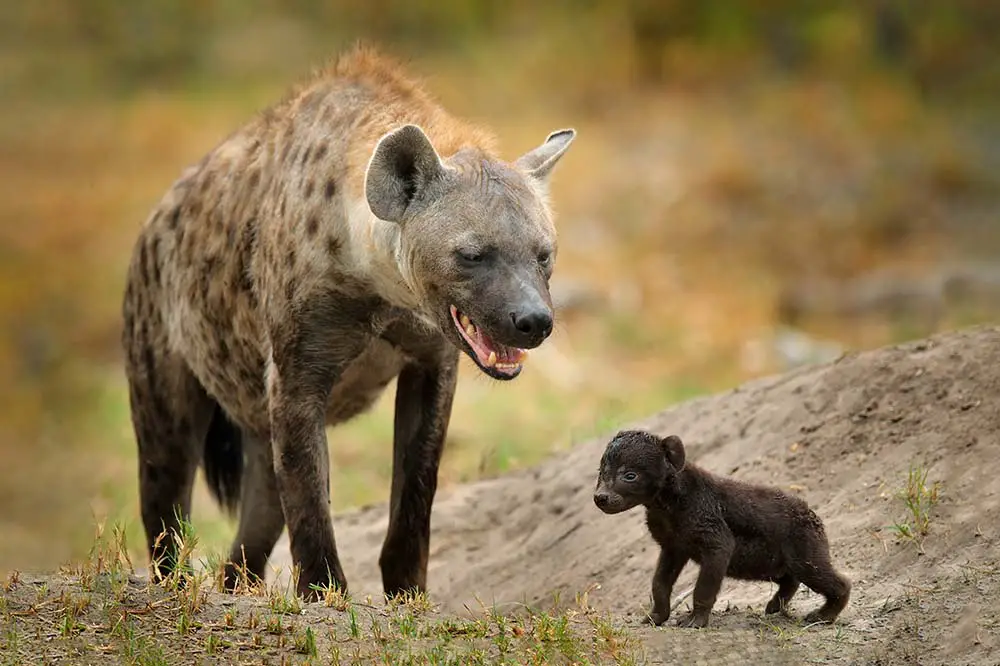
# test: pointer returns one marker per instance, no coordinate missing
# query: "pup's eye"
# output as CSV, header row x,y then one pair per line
x,y
629,477
544,258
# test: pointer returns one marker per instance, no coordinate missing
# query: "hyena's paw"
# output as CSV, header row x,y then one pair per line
x,y
656,618
312,586
694,620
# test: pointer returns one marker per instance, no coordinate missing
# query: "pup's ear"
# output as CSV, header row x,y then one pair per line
x,y
673,449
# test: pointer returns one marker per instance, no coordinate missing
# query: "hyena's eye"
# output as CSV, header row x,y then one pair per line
x,y
470,257
545,258
629,477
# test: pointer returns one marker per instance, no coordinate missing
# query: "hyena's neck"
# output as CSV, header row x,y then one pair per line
x,y
375,251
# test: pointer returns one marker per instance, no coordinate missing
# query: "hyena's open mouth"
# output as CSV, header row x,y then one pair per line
x,y
497,360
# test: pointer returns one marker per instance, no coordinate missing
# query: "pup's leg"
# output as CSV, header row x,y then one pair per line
x,y
788,585
817,573
714,564
668,568
836,588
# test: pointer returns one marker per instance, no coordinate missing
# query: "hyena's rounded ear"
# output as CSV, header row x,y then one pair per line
x,y
403,164
673,448
538,163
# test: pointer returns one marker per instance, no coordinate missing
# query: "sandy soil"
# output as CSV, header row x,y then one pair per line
x,y
843,435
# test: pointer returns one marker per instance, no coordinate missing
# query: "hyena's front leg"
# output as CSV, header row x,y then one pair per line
x,y
310,349
298,439
424,394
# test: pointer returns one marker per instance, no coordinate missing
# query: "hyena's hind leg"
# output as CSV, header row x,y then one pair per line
x,y
171,414
261,515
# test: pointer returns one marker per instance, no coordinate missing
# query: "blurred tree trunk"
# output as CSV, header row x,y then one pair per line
x,y
891,32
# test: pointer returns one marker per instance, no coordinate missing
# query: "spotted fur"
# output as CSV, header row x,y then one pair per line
x,y
304,263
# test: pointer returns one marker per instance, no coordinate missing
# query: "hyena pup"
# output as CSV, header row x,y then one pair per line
x,y
351,234
728,527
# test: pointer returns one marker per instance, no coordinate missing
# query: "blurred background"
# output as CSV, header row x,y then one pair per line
x,y
755,185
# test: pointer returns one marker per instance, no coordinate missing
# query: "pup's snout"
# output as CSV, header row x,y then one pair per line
x,y
531,325
602,500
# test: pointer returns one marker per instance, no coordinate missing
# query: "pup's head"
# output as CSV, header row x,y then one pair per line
x,y
635,466
477,242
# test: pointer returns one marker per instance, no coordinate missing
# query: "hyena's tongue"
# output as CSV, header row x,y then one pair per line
x,y
489,353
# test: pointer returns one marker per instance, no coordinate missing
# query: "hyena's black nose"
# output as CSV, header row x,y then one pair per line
x,y
532,326
602,500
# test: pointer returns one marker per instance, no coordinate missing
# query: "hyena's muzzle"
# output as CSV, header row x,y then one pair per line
x,y
510,311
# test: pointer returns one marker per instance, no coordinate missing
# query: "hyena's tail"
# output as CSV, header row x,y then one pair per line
x,y
223,461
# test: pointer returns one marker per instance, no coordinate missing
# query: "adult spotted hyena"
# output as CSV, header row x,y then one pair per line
x,y
352,233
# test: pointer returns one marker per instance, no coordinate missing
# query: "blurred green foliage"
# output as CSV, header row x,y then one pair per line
x,y
123,43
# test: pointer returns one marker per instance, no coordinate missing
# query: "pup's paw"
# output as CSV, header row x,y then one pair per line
x,y
817,617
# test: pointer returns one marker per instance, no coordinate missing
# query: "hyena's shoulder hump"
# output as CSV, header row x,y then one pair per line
x,y
394,98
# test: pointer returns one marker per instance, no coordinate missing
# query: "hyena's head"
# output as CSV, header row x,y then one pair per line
x,y
477,242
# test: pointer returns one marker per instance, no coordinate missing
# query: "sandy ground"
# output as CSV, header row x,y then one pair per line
x,y
843,435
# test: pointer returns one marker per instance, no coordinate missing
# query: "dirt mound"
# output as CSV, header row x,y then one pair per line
x,y
843,435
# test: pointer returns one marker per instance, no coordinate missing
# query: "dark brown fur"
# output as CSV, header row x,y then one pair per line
x,y
728,527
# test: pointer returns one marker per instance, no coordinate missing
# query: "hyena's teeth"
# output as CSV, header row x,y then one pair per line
x,y
470,329
465,322
492,360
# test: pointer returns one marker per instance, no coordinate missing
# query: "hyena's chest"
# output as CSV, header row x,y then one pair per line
x,y
363,380
402,338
